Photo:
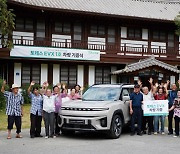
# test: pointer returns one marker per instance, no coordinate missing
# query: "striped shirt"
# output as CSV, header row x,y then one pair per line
x,y
13,103
36,104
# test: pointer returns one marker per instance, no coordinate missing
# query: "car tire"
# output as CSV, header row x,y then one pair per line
x,y
116,127
67,132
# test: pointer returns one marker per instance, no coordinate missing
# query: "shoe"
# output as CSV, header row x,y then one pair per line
x,y
170,133
163,133
39,136
54,136
46,137
149,133
155,133
18,136
32,136
132,133
140,134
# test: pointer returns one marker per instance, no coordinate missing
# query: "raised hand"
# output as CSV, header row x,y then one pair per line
x,y
32,83
4,82
150,80
139,82
156,84
179,82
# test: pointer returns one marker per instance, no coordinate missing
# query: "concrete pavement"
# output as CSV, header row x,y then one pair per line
x,y
89,143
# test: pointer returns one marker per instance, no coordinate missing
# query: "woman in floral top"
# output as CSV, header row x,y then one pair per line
x,y
176,107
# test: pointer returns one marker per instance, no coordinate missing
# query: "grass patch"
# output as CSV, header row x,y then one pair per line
x,y
25,118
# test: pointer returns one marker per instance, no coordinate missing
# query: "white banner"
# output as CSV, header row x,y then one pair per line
x,y
155,107
55,53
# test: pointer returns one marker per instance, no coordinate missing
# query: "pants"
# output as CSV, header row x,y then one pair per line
x,y
36,120
49,122
147,120
14,119
137,115
156,123
177,121
170,120
57,128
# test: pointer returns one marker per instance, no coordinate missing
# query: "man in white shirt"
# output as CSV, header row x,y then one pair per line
x,y
148,96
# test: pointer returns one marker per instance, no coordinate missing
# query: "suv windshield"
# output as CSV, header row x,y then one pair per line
x,y
101,94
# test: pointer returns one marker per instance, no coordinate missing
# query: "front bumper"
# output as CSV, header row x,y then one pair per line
x,y
78,123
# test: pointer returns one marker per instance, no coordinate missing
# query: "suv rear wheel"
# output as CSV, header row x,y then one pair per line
x,y
116,127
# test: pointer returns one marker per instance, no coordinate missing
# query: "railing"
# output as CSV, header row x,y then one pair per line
x,y
119,49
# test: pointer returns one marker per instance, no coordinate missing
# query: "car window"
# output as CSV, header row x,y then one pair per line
x,y
101,94
124,92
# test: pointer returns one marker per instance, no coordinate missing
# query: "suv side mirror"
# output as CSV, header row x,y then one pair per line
x,y
125,98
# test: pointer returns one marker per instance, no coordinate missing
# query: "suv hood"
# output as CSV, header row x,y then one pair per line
x,y
86,104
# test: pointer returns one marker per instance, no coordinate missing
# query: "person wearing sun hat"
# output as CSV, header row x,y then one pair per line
x,y
14,101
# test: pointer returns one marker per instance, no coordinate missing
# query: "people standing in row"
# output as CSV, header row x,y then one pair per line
x,y
176,109
14,109
35,111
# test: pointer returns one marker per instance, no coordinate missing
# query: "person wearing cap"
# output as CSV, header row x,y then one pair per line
x,y
13,109
136,99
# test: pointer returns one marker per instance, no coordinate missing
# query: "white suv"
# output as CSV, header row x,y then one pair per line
x,y
103,107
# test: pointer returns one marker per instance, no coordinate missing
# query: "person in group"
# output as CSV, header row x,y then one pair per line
x,y
148,96
48,111
136,99
73,95
58,103
14,108
35,111
160,95
176,108
171,96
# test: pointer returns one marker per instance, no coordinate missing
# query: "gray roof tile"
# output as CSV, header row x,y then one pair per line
x,y
145,63
164,10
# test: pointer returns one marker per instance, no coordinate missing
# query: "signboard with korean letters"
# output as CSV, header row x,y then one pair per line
x,y
55,53
155,108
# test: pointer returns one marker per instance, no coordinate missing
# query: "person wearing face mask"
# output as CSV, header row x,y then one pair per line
x,y
176,108
136,99
35,111
14,110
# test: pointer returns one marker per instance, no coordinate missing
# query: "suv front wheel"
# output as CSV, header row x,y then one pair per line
x,y
116,127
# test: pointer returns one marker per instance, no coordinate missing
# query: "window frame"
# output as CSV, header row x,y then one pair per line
x,y
134,37
102,74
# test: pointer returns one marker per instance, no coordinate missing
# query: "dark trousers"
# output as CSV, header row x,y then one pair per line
x,y
136,116
57,128
177,121
147,120
170,120
14,119
49,122
36,120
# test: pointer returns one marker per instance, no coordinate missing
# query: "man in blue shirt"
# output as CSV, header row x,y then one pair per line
x,y
14,101
36,111
136,99
171,96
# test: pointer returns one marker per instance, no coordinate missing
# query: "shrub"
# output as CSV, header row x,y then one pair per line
x,y
2,98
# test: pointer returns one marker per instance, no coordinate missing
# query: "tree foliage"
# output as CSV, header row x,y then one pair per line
x,y
7,18
177,23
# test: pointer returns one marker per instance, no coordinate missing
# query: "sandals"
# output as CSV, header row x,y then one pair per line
x,y
9,137
18,136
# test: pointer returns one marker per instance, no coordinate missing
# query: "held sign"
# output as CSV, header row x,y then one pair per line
x,y
155,107
55,53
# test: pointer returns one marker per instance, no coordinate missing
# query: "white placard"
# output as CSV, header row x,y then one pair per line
x,y
155,107
55,53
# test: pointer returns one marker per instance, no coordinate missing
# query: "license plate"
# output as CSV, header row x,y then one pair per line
x,y
76,121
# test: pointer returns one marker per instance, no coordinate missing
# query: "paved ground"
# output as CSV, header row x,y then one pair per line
x,y
91,143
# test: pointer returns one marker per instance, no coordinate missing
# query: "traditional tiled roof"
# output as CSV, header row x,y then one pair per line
x,y
145,64
150,9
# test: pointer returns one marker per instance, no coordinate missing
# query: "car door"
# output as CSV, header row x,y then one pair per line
x,y
125,97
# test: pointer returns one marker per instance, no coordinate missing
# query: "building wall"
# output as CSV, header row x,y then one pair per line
x,y
17,73
44,73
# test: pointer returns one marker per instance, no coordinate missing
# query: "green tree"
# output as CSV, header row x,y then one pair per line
x,y
6,24
177,23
